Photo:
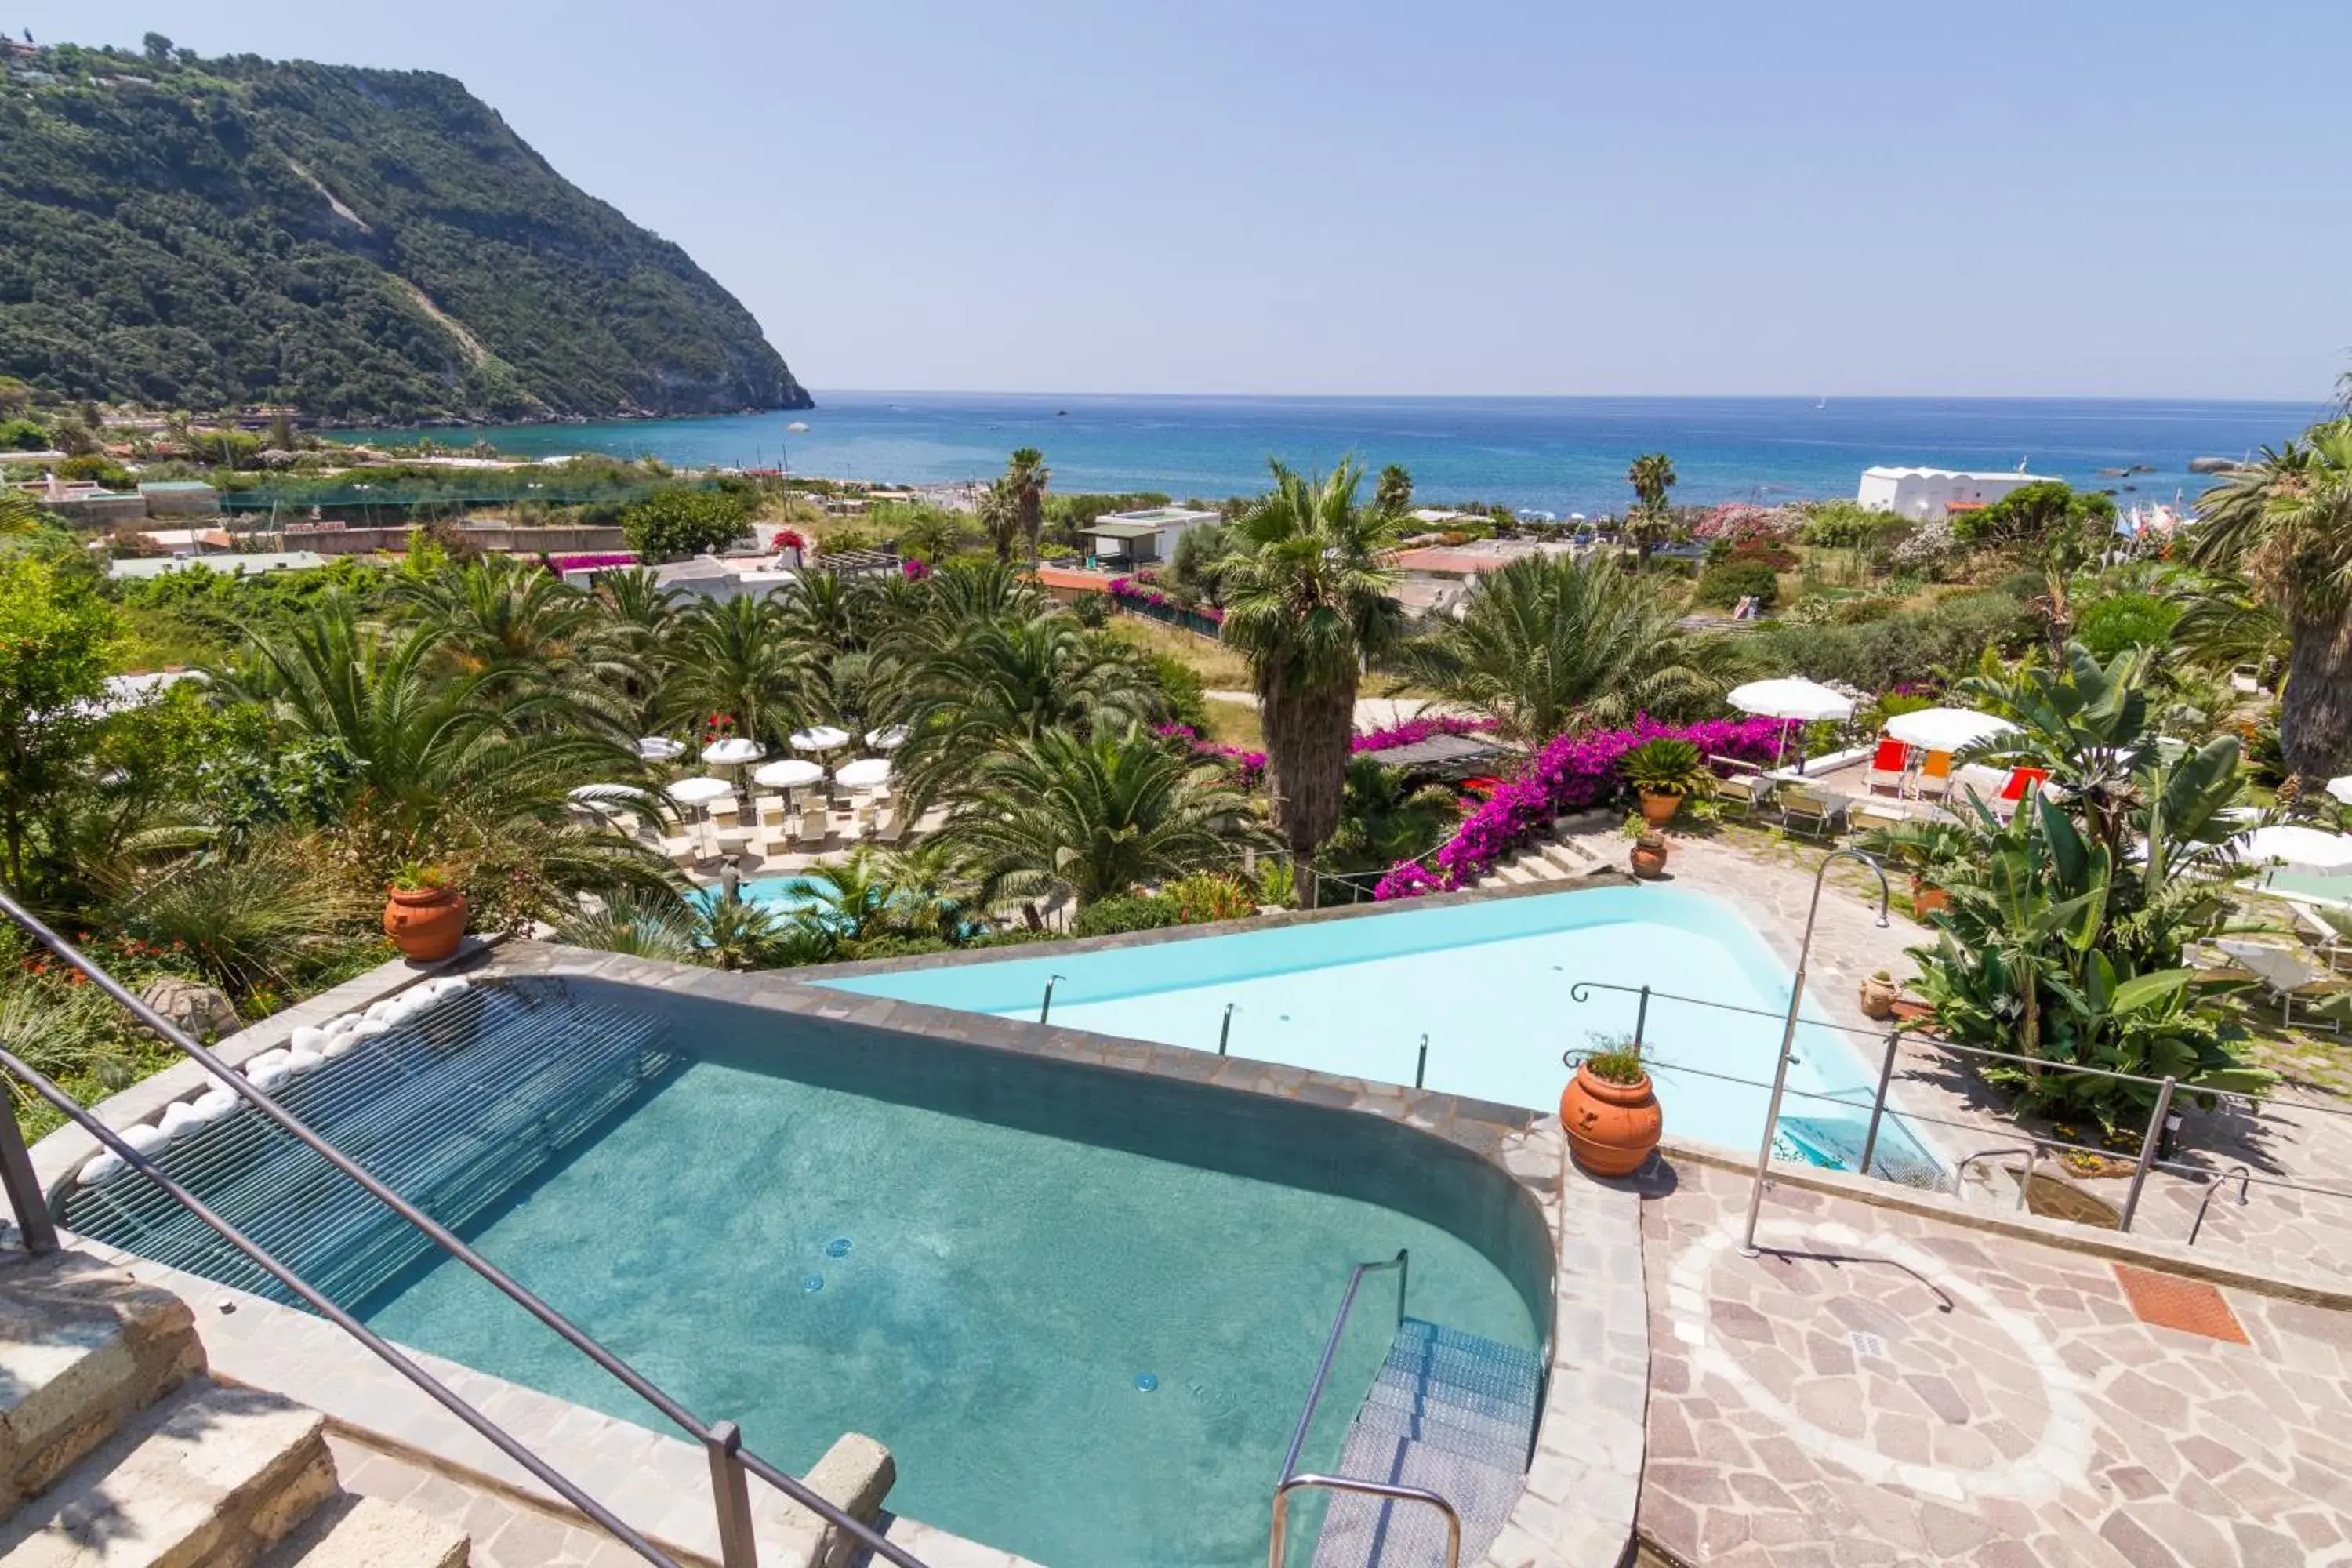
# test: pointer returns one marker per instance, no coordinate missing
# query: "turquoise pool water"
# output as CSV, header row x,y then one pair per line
x,y
814,1228
1490,985
783,894
2318,886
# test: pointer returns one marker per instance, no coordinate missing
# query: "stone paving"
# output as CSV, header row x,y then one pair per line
x,y
1881,1388
505,1534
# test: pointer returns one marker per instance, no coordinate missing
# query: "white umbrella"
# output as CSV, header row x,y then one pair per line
x,y
1945,728
2341,788
863,774
789,773
2306,848
891,739
819,738
733,752
699,790
1791,696
660,749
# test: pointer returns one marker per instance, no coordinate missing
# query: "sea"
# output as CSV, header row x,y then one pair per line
x,y
1559,455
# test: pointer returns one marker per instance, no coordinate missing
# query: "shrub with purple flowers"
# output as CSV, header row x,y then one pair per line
x,y
1137,593
1414,731
562,564
1251,766
1573,772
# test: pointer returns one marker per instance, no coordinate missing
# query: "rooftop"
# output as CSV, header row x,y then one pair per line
x,y
1149,520
1982,476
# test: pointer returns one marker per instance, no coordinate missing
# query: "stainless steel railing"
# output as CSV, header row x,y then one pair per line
x,y
1293,1481
721,1441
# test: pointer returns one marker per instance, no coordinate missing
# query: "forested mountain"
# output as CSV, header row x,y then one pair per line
x,y
367,245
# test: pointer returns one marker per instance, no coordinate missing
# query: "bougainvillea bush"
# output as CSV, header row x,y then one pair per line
x,y
1412,732
1134,591
1573,772
562,564
1251,766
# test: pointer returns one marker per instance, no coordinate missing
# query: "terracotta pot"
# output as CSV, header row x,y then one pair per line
x,y
425,923
1657,810
1611,1127
1877,998
1927,898
1649,857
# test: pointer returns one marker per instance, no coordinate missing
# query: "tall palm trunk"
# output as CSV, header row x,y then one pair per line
x,y
2316,710
1307,734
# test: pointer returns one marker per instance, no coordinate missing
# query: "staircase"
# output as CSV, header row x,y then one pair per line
x,y
1573,850
1451,1413
118,1451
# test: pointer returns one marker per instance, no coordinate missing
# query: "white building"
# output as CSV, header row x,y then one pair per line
x,y
1137,537
1922,493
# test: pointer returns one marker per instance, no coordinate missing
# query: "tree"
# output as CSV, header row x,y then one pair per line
x,y
1394,493
1306,604
507,617
2048,512
1551,642
2284,522
1090,818
1384,819
56,642
739,658
157,47
1026,473
930,534
1192,568
681,519
1652,475
1000,517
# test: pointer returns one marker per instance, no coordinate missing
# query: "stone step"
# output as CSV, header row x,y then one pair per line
x,y
1514,874
210,1476
369,1532
1571,857
83,1349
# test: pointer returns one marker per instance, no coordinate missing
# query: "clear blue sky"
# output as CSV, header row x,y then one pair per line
x,y
2091,196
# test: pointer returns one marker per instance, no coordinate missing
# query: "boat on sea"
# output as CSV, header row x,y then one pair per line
x,y
798,427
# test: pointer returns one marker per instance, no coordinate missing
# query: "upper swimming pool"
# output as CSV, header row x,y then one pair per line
x,y
1488,984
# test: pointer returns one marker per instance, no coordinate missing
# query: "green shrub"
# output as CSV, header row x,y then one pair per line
x,y
682,520
2107,626
1125,912
1181,690
1728,582
895,946
22,436
1911,647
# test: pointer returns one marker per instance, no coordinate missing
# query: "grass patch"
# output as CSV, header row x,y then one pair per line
x,y
1219,666
1235,724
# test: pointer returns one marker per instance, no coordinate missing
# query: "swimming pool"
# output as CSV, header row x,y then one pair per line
x,y
1082,1308
783,894
1489,984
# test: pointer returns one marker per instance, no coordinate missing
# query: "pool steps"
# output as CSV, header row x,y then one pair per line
x,y
1450,1411
1564,856
118,1451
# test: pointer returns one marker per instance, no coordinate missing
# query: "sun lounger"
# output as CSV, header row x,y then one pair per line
x,y
1869,814
2290,975
2329,935
684,853
815,827
1806,809
1934,776
772,809
1890,765
889,825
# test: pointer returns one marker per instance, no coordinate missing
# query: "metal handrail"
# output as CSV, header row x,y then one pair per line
x,y
721,1441
1280,1540
2245,1180
384,1351
1291,1479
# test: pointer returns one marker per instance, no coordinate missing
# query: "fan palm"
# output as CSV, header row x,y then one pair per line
x,y
1551,642
2223,625
1061,814
740,657
2285,522
519,624
1000,517
1306,585
641,924
1652,475
1026,475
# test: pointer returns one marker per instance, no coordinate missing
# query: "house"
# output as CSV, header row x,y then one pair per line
x,y
1923,493
146,567
179,497
1138,538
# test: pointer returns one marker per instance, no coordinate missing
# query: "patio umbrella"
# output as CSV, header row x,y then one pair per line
x,y
891,739
1791,697
819,738
863,774
699,791
660,749
2303,849
733,752
1945,728
2341,788
789,773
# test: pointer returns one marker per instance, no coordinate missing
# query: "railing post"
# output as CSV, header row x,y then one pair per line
x,y
1225,1027
1421,1068
1046,1007
34,1221
731,1489
1878,1100
1641,1017
2147,1153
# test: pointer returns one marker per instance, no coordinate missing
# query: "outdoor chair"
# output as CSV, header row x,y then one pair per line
x,y
1868,813
1934,776
2022,782
1890,766
1805,810
773,809
815,827
889,825
1742,786
2290,975
2329,935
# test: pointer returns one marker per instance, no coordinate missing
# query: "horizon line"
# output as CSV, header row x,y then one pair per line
x,y
2315,403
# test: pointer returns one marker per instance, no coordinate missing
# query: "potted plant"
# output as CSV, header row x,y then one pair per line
x,y
1664,771
1608,1109
1648,856
1878,995
423,914
1931,851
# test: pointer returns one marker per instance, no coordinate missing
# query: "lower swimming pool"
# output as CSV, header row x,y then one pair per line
x,y
1490,985
1082,1308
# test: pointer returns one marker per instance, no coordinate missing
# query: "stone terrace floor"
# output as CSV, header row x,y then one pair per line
x,y
1879,1388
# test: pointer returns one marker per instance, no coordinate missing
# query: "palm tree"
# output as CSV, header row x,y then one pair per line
x,y
1059,815
2285,522
1026,473
1383,818
642,925
1000,517
520,623
1551,642
739,658
1393,492
1652,475
932,535
1306,588
2223,625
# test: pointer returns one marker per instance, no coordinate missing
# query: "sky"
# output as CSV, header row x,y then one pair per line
x,y
2094,198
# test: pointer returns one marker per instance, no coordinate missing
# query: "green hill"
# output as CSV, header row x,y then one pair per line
x,y
369,246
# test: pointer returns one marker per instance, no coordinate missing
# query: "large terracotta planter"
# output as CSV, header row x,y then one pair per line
x,y
425,923
1648,857
1611,1127
1878,998
1927,898
1657,810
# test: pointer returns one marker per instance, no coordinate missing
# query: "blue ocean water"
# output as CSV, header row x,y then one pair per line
x,y
1554,454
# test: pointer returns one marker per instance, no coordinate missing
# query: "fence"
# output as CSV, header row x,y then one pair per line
x,y
2155,1154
